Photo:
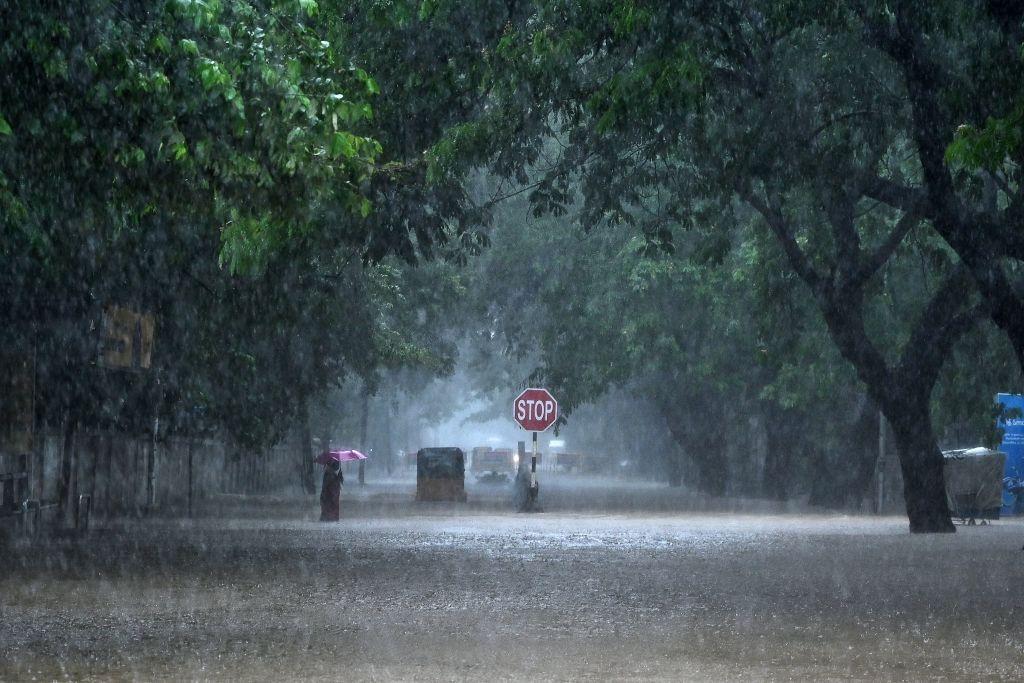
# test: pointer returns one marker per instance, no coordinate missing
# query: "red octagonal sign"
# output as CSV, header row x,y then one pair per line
x,y
535,410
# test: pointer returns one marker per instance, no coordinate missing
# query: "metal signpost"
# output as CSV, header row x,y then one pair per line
x,y
535,410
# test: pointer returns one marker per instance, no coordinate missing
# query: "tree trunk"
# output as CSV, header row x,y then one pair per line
x,y
712,464
307,480
388,446
903,393
94,471
674,466
902,390
362,437
778,474
699,432
823,488
65,484
921,464
863,455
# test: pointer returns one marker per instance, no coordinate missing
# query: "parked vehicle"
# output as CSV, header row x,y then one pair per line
x,y
582,463
493,464
440,474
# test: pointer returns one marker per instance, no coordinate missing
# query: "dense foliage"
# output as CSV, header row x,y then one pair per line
x,y
825,122
210,164
785,210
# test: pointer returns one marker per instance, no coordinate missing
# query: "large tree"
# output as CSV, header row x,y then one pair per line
x,y
668,112
958,76
213,164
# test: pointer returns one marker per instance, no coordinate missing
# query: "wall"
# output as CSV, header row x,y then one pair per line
x,y
112,469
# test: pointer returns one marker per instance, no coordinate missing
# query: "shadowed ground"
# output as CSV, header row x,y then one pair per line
x,y
398,591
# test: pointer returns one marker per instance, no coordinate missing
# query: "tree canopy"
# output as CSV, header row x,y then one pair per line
x,y
740,207
667,113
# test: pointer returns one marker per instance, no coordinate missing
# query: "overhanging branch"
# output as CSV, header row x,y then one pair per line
x,y
941,324
772,214
878,258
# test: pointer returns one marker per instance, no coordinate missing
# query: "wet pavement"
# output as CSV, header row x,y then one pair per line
x,y
610,582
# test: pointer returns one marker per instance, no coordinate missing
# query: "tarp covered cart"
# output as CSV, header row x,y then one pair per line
x,y
974,483
440,474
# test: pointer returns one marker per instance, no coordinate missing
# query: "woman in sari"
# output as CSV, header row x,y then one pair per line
x,y
330,493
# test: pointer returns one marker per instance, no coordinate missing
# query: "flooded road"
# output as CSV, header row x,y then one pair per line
x,y
397,592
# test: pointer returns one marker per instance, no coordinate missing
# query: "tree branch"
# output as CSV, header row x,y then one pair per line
x,y
848,255
834,120
1006,308
907,199
874,262
938,328
969,230
1001,183
772,215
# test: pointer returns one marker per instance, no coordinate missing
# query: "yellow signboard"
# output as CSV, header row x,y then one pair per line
x,y
127,338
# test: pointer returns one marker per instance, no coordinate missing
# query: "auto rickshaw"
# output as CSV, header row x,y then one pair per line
x,y
440,475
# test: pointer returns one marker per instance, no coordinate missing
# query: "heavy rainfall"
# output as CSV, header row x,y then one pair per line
x,y
511,340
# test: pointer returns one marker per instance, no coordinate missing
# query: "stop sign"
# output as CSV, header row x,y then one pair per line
x,y
535,410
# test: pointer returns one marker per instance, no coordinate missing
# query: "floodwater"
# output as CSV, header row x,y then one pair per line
x,y
258,590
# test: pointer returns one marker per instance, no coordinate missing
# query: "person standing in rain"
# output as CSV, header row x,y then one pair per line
x,y
330,492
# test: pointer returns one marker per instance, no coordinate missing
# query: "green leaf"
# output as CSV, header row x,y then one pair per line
x,y
161,43
343,144
212,74
5,128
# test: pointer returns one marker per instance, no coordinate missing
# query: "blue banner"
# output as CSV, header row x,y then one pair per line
x,y
1013,446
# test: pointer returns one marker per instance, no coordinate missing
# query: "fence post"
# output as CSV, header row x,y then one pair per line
x,y
151,468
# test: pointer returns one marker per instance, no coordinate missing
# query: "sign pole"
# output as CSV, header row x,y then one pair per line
x,y
533,464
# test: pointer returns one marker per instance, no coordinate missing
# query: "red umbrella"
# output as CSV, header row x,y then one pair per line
x,y
338,456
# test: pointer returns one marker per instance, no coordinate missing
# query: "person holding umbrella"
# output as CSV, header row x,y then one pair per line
x,y
330,488
330,492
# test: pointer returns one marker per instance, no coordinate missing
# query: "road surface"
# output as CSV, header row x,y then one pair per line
x,y
403,592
